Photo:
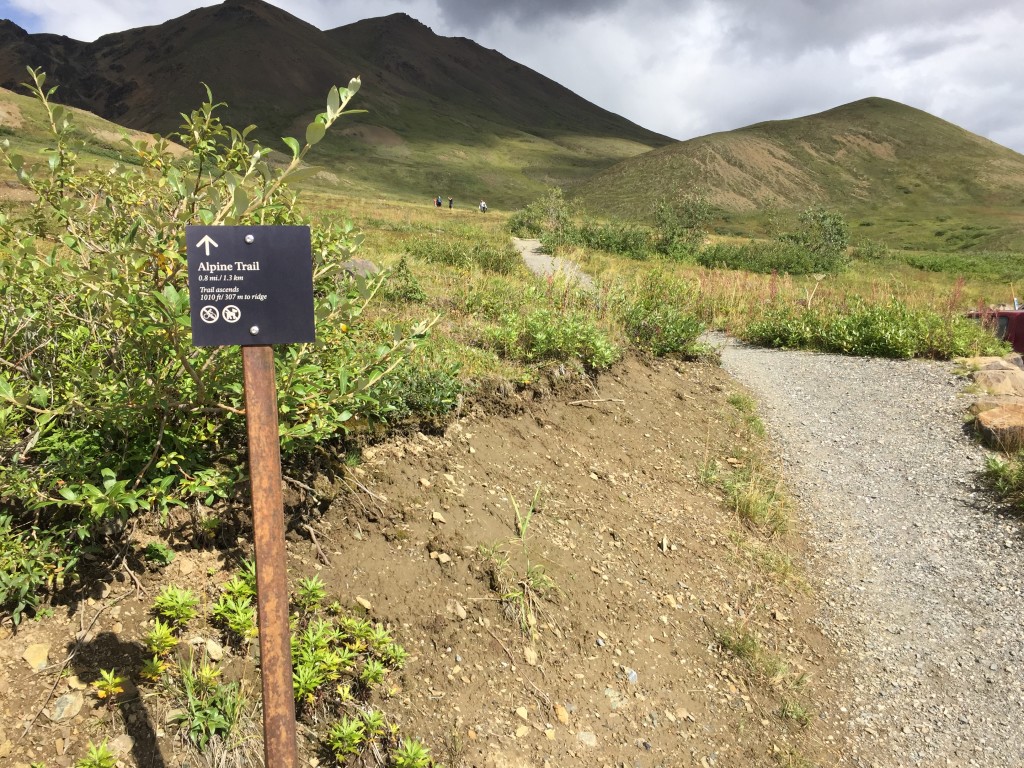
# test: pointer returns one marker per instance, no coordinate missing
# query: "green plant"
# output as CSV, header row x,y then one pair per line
x,y
208,707
1005,476
346,737
411,754
111,411
176,605
153,669
158,552
310,593
109,687
30,562
546,335
658,315
161,638
98,756
791,709
521,589
237,614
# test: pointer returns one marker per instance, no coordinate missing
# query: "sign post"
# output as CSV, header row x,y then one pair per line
x,y
253,286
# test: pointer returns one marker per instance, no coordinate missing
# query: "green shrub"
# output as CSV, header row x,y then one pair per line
x,y
402,285
550,213
499,257
657,315
891,330
762,256
30,563
111,411
545,335
629,240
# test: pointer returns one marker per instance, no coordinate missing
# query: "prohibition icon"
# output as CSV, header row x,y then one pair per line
x,y
231,314
210,314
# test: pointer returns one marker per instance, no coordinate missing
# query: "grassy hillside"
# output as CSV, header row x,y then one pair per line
x,y
899,174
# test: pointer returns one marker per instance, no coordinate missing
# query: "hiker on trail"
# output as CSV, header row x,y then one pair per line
x,y
437,202
451,202
483,207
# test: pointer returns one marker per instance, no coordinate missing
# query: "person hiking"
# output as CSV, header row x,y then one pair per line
x,y
437,201
483,207
451,202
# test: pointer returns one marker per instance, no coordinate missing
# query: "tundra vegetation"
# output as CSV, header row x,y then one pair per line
x,y
111,420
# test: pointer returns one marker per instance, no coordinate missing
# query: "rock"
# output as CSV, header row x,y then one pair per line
x,y
214,650
443,559
122,745
365,603
6,748
562,714
631,676
76,684
587,738
522,713
522,731
987,363
185,566
67,706
36,655
424,482
437,517
1002,428
988,402
531,656
360,267
1001,382
460,611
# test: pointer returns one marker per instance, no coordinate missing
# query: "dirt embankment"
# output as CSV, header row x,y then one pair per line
x,y
622,663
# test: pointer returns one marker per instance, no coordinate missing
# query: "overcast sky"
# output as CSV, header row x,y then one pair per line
x,y
686,67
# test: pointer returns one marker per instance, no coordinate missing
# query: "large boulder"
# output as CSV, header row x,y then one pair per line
x,y
1001,382
1002,428
988,402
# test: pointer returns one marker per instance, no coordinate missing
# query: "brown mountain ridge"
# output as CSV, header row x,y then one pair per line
x,y
274,70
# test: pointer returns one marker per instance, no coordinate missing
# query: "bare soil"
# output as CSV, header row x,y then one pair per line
x,y
624,665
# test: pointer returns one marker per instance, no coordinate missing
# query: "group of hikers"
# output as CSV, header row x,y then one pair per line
x,y
451,203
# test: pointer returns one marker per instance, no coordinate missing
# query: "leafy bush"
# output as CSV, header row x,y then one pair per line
x,y
891,330
763,256
30,562
657,315
550,213
629,240
818,247
109,410
544,335
682,225
497,257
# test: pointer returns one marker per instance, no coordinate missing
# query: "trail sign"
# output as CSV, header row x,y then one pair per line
x,y
253,286
250,285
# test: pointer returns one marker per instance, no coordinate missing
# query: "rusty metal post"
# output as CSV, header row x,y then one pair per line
x,y
279,746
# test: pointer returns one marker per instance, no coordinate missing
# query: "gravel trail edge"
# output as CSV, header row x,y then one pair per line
x,y
920,575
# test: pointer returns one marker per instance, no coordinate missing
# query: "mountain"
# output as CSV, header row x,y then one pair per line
x,y
884,164
446,116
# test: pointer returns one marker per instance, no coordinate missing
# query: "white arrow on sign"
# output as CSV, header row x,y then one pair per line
x,y
207,241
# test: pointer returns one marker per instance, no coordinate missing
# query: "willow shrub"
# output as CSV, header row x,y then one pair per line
x,y
893,330
106,408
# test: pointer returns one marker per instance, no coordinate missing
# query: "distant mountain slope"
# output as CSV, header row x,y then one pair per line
x,y
444,112
874,159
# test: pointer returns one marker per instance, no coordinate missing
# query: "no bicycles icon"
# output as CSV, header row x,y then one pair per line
x,y
209,314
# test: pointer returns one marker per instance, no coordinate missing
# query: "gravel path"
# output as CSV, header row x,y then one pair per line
x,y
543,265
921,577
